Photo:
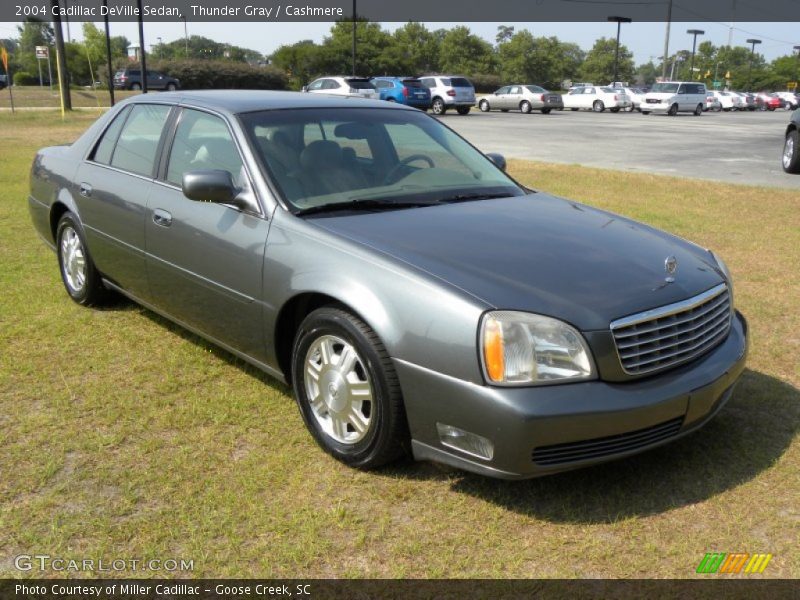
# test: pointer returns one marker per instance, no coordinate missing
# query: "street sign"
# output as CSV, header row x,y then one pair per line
x,y
792,85
716,84
42,52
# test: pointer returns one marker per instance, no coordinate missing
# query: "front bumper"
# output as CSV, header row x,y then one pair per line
x,y
542,430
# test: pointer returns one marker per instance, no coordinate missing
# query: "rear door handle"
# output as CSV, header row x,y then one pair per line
x,y
85,190
162,217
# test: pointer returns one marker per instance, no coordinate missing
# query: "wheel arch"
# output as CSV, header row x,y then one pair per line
x,y
63,203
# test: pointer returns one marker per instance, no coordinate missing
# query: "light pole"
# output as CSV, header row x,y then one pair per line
x,y
619,21
355,21
695,33
797,70
108,56
752,42
185,34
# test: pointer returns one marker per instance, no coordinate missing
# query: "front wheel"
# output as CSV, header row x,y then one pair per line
x,y
347,389
462,110
598,106
484,106
645,112
171,87
673,110
438,107
614,110
698,110
78,273
791,155
525,107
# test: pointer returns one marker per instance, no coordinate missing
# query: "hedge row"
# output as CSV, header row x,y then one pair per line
x,y
217,74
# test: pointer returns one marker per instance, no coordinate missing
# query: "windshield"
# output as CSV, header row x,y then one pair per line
x,y
665,87
340,155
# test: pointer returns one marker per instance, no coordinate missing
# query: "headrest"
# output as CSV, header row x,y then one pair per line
x,y
321,154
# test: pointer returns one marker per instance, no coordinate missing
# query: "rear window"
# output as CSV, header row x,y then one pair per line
x,y
445,81
412,83
460,82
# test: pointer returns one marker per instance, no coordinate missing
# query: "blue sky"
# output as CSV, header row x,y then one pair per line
x,y
646,40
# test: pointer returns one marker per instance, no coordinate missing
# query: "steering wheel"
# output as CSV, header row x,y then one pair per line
x,y
404,163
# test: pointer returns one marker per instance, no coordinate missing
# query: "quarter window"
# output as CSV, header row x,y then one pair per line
x,y
203,141
138,142
105,149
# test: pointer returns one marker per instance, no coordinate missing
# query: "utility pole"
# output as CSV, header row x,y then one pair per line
x,y
355,22
797,70
695,33
619,21
143,53
108,56
752,42
61,57
666,42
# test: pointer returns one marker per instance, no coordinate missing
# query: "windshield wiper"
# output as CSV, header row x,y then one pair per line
x,y
470,197
359,205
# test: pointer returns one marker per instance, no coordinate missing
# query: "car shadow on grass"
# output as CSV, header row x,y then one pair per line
x,y
747,437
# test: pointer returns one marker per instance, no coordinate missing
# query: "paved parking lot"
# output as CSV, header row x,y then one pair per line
x,y
733,147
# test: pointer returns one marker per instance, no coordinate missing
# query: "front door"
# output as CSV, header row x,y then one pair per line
x,y
205,260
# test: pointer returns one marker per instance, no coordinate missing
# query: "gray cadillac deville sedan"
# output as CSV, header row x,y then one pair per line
x,y
416,297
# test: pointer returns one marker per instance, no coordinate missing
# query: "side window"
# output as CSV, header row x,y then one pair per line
x,y
203,141
316,85
382,83
427,82
515,90
105,148
681,89
331,84
138,142
503,90
588,90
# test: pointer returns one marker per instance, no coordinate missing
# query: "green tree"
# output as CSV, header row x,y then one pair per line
x,y
465,53
32,33
599,64
504,33
300,62
418,47
646,73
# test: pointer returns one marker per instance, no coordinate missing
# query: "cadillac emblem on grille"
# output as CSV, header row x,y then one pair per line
x,y
670,266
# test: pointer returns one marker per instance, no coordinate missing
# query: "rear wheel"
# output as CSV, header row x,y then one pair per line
x,y
673,110
438,106
463,110
546,111
598,106
484,106
136,86
171,87
347,390
791,155
614,110
698,110
525,107
645,112
78,273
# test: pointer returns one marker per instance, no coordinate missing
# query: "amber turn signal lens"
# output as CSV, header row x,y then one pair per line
x,y
493,350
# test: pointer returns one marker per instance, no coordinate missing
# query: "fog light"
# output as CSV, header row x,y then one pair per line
x,y
469,443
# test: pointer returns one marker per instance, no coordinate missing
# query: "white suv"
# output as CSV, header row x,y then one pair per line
x,y
673,97
449,91
354,87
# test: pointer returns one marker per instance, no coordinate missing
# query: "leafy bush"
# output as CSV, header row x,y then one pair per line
x,y
25,78
218,74
486,83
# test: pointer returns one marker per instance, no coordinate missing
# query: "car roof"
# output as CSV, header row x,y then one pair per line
x,y
242,101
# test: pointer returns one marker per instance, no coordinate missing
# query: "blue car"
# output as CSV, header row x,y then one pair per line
x,y
403,90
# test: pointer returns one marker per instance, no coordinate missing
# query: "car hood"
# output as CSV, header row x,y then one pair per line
x,y
538,253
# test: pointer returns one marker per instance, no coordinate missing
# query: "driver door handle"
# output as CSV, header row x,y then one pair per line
x,y
162,217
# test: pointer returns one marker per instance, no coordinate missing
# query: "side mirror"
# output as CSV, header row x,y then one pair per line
x,y
305,88
498,159
209,185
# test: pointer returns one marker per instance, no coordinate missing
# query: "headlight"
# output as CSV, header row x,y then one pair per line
x,y
520,348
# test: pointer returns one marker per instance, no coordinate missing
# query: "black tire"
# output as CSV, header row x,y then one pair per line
x,y
92,292
136,86
598,106
503,110
386,436
614,110
673,110
390,99
698,110
525,107
171,87
573,109
645,112
791,152
463,110
438,107
484,106
546,111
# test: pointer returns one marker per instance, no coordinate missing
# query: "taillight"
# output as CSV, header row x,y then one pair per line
x,y
405,92
616,98
451,92
541,97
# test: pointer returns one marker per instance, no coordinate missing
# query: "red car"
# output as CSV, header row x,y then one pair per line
x,y
768,101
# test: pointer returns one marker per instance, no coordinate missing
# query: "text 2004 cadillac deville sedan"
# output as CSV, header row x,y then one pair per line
x,y
415,296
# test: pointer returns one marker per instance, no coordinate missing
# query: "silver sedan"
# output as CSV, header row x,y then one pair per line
x,y
524,98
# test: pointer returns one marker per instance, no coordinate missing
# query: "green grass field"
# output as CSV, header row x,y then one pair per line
x,y
122,436
33,96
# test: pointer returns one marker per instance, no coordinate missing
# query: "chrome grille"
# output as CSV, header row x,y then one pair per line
x,y
670,335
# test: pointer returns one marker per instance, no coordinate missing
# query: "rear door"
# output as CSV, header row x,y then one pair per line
x,y
465,92
500,100
114,184
514,97
205,260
